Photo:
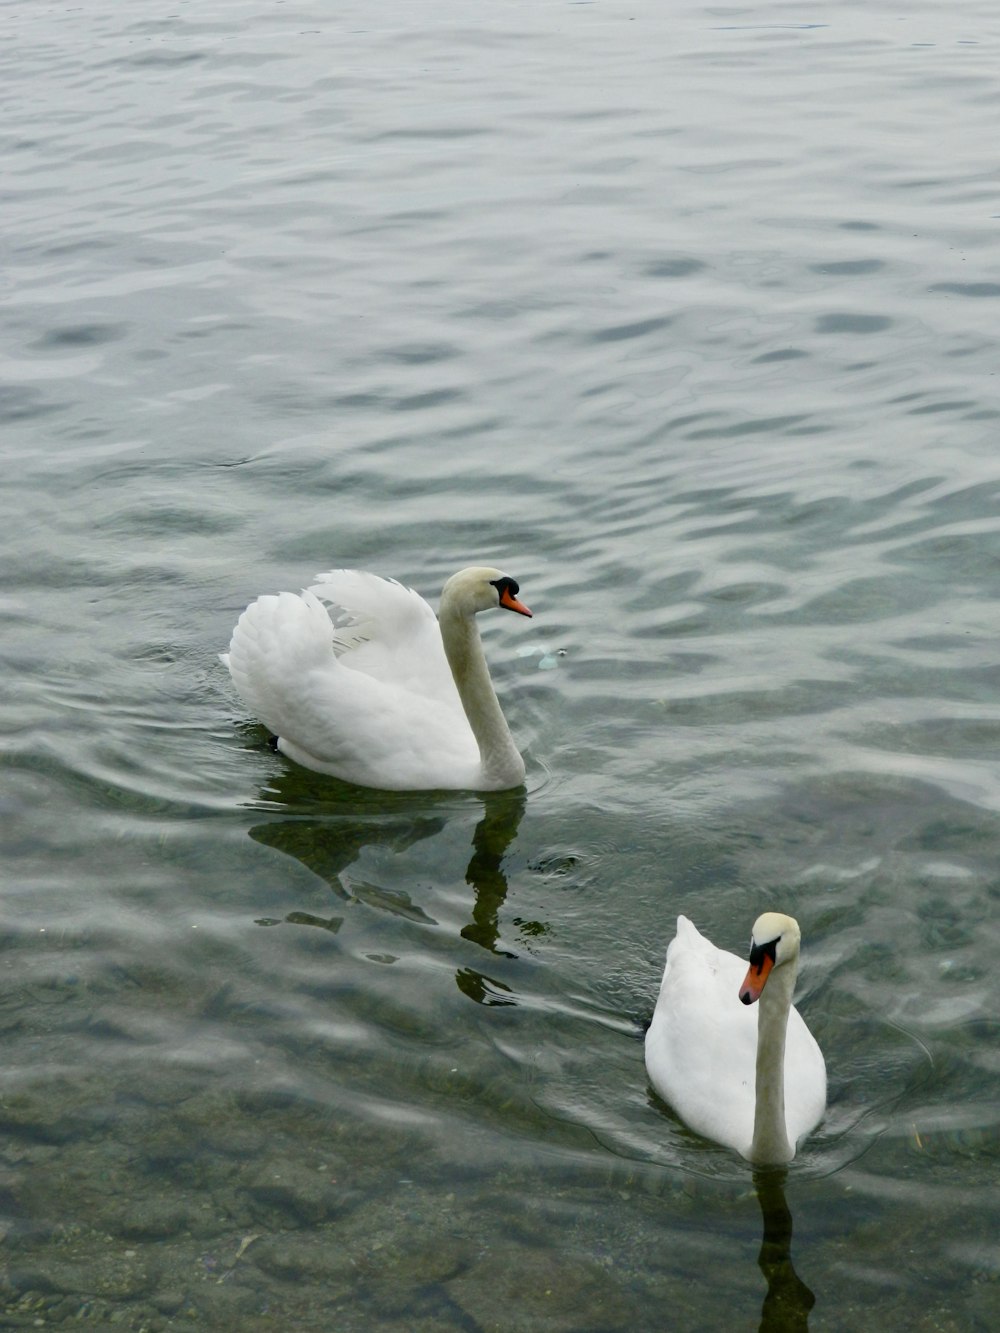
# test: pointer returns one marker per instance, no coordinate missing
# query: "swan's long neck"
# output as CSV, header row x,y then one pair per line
x,y
501,760
770,1137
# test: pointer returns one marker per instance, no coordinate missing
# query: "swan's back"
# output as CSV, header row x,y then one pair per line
x,y
701,1047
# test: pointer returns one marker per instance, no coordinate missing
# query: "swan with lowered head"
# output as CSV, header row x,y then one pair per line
x,y
384,694
753,1079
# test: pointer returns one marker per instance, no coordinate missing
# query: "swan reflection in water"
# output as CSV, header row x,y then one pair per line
x,y
502,814
329,846
788,1301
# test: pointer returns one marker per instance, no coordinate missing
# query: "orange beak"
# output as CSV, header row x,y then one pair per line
x,y
512,604
755,980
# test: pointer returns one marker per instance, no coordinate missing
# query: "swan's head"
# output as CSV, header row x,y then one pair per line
x,y
481,588
774,942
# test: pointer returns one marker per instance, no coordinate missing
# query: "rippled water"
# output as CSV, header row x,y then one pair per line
x,y
687,317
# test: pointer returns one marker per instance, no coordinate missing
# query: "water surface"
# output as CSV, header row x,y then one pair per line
x,y
684,315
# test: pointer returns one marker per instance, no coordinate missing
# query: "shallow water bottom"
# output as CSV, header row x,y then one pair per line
x,y
231,1210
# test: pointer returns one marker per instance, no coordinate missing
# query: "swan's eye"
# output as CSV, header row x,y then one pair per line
x,y
507,585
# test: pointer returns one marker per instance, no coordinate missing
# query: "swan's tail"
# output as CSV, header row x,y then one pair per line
x,y
277,639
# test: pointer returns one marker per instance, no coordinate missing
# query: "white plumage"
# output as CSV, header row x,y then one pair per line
x,y
702,1046
383,694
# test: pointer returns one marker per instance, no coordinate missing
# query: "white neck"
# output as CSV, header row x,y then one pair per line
x,y
502,763
770,1137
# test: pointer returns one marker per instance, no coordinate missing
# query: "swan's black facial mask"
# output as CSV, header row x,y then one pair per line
x,y
762,959
758,952
507,590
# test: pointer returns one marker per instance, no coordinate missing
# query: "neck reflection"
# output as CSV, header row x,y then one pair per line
x,y
788,1301
492,839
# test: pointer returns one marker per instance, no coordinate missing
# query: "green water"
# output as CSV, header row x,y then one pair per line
x,y
686,317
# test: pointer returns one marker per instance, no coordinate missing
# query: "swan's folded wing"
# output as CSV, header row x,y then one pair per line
x,y
277,640
386,631
700,1044
283,664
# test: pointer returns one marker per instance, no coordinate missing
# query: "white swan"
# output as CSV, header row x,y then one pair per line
x,y
753,1079
384,694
